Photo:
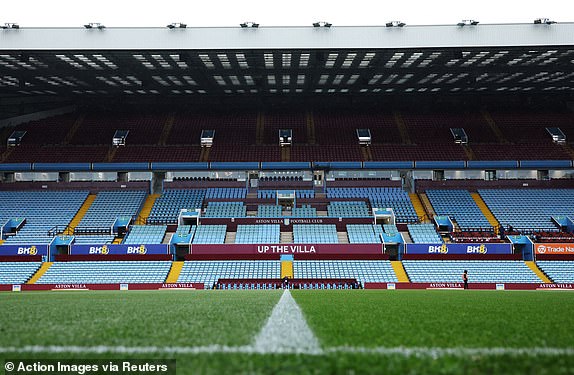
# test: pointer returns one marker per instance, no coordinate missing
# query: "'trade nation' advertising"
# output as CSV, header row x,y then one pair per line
x,y
554,248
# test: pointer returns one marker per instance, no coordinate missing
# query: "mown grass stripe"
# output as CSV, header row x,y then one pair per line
x,y
432,352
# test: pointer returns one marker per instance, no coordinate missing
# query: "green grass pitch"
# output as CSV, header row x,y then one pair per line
x,y
355,320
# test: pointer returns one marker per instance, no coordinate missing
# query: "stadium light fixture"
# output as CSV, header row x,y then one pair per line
x,y
10,25
467,23
322,24
249,24
96,25
395,24
547,21
177,25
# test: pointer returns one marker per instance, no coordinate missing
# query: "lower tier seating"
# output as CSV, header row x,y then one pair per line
x,y
558,271
106,272
17,272
208,272
480,271
361,270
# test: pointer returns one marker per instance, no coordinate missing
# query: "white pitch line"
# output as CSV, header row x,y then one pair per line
x,y
400,351
286,330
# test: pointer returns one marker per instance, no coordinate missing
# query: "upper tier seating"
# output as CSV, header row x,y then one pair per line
x,y
304,211
272,194
17,272
43,211
529,210
479,271
530,126
154,153
363,233
315,233
558,271
258,234
326,153
233,129
364,271
424,233
275,121
57,154
381,197
269,211
401,152
459,205
107,207
210,234
167,207
225,209
99,128
226,193
244,153
145,234
101,239
48,131
208,272
106,272
348,209
435,127
390,229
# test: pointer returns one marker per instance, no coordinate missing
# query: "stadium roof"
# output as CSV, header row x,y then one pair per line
x,y
294,61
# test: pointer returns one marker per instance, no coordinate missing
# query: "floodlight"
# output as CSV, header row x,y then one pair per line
x,y
547,21
395,24
10,25
249,24
467,23
322,24
97,25
177,24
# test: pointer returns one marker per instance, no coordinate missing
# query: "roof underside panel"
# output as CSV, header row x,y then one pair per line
x,y
288,61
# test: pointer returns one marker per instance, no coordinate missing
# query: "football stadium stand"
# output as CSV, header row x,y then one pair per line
x,y
459,206
529,210
225,209
315,233
424,233
557,271
363,233
210,234
348,209
258,234
41,211
145,234
208,272
269,211
167,207
304,211
108,206
106,272
363,271
17,272
480,271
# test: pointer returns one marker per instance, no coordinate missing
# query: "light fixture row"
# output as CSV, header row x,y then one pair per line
x,y
251,24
